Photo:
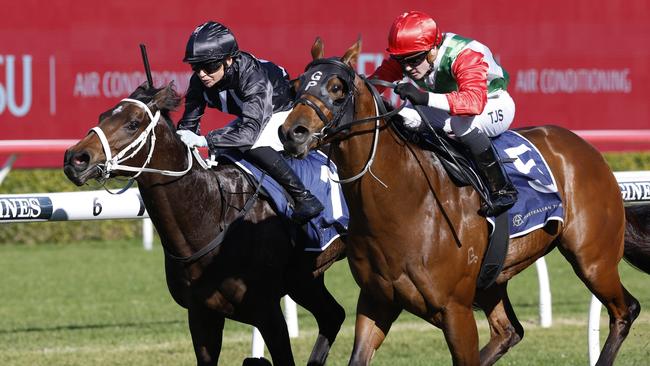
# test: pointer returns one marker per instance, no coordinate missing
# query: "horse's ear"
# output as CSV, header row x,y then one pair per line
x,y
293,90
317,49
352,54
167,98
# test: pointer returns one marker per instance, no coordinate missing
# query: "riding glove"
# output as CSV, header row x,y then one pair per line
x,y
411,117
412,93
191,139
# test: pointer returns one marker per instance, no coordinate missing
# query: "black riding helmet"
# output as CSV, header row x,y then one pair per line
x,y
211,41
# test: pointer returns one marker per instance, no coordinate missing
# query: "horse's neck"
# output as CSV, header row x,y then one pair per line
x,y
177,205
396,162
355,151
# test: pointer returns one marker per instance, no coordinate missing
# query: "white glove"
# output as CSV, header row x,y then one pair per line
x,y
412,119
191,139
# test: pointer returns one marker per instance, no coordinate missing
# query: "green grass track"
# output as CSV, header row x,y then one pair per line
x,y
106,303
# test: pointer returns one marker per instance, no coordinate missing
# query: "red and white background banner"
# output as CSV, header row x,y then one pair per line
x,y
579,64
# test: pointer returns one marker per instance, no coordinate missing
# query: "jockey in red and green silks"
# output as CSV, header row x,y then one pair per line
x,y
462,87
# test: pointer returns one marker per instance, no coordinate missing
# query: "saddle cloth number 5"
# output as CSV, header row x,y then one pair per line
x,y
525,169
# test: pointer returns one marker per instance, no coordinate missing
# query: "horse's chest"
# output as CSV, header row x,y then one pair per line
x,y
407,275
374,266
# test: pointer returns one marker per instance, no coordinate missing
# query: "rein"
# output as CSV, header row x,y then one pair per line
x,y
370,83
378,116
216,242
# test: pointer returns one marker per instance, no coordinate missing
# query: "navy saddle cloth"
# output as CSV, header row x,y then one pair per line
x,y
320,178
538,199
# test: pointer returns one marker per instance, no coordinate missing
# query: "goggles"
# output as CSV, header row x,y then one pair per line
x,y
208,67
413,60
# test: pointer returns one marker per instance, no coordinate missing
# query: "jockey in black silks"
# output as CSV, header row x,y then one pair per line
x,y
257,92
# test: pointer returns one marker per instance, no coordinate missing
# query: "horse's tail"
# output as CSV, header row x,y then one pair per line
x,y
637,236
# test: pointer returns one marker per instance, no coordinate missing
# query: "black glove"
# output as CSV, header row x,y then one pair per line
x,y
412,93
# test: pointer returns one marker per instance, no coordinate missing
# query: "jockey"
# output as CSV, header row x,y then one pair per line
x,y
257,92
464,89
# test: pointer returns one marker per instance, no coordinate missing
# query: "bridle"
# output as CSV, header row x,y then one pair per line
x,y
114,163
317,74
314,84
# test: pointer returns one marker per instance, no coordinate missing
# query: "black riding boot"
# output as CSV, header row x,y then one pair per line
x,y
305,204
503,194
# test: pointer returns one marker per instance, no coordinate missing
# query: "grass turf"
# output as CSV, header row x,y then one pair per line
x,y
106,303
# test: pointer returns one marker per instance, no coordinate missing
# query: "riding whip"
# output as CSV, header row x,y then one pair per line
x,y
147,68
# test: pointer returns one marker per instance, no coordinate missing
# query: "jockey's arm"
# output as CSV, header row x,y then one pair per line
x,y
194,107
256,110
470,71
389,70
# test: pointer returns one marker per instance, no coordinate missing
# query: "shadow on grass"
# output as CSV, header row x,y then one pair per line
x,y
90,326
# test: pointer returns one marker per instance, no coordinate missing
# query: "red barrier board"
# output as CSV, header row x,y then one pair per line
x,y
580,64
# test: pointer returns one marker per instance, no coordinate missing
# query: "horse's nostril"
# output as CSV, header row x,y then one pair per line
x,y
299,133
80,160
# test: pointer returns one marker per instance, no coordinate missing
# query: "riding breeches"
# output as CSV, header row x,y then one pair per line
x,y
494,120
270,135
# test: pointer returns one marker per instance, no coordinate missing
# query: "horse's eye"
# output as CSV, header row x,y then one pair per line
x,y
336,88
133,125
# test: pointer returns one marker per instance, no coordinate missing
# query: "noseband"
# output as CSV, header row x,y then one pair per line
x,y
314,83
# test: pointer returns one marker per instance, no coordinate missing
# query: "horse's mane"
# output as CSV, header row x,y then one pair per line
x,y
166,99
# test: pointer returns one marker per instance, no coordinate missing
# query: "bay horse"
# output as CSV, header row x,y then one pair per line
x,y
415,241
222,260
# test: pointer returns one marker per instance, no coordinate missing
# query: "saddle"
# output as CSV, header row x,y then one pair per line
x,y
453,155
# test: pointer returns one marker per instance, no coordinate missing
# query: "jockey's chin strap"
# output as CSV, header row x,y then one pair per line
x,y
113,163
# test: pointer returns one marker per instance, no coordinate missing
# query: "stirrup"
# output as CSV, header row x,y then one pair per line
x,y
310,207
489,209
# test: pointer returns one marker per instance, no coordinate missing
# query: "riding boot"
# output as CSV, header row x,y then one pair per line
x,y
503,193
305,204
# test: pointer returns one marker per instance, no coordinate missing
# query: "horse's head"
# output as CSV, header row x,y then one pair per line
x,y
325,99
125,134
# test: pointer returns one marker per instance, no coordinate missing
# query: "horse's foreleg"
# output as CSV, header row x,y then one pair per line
x,y
460,331
273,328
206,327
312,294
373,322
505,329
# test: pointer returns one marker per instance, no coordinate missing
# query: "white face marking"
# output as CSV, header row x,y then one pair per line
x,y
117,110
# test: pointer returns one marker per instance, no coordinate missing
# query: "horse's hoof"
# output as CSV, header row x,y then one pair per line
x,y
251,361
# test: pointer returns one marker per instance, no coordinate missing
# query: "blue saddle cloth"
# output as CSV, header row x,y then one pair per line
x,y
538,200
313,170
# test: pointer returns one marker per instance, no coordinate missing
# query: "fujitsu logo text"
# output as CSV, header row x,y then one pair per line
x,y
8,91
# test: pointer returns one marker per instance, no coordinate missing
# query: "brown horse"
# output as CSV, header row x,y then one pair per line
x,y
222,260
415,240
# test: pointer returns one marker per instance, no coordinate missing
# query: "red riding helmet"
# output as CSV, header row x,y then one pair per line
x,y
413,31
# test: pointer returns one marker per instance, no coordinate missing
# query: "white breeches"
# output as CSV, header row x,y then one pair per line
x,y
494,120
269,135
